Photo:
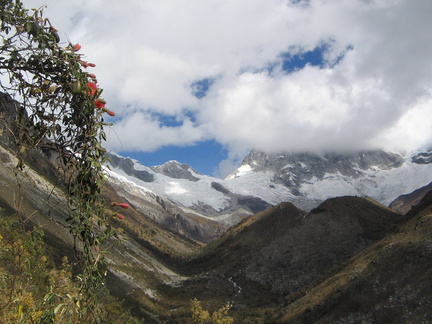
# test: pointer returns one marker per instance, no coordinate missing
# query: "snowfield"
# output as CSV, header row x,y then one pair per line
x,y
306,188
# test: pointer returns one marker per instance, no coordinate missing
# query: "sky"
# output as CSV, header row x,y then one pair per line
x,y
205,81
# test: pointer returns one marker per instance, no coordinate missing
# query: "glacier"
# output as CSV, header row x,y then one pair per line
x,y
305,179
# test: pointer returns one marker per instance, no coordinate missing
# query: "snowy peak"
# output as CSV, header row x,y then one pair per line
x,y
184,187
171,169
131,167
310,164
177,170
306,165
304,179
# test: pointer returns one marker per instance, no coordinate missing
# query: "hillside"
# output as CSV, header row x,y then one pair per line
x,y
138,263
350,259
404,203
388,282
282,252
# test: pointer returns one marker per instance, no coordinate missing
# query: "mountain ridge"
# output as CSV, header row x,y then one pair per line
x,y
264,180
387,282
269,242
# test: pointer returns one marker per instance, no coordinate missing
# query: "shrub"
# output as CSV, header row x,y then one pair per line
x,y
59,109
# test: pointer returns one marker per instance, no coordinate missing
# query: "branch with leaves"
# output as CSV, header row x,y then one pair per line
x,y
60,110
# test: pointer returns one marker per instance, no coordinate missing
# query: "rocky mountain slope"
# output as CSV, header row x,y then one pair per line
x,y
387,282
311,178
138,263
193,204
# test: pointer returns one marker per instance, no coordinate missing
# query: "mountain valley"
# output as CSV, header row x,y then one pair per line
x,y
307,252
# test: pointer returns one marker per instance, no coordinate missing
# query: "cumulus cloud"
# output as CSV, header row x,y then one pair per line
x,y
141,131
371,90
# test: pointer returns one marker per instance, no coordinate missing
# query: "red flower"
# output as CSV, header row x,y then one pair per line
x,y
77,47
91,75
122,205
120,216
111,113
87,64
99,103
93,88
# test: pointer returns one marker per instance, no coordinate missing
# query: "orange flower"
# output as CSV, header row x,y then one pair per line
x,y
77,47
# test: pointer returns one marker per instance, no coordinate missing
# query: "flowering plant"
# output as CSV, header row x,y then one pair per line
x,y
56,111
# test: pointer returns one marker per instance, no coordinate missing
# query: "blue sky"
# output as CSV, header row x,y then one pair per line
x,y
204,157
203,82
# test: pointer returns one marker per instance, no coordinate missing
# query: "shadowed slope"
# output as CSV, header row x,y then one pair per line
x,y
388,282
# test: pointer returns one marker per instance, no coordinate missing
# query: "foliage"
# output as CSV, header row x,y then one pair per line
x,y
33,290
59,109
202,316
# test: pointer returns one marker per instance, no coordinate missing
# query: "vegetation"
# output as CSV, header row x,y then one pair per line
x,y
34,290
59,110
202,316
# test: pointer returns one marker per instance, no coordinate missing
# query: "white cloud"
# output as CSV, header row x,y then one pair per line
x,y
148,53
141,131
413,130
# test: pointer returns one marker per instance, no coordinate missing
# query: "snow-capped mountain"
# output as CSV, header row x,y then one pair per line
x,y
305,179
181,190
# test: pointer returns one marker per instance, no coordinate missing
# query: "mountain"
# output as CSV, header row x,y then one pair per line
x,y
307,179
404,203
387,282
286,249
264,180
348,259
186,194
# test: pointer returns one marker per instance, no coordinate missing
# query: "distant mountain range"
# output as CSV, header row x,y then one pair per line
x,y
264,180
